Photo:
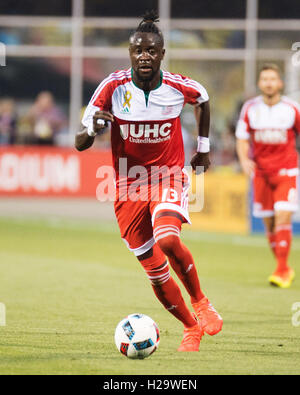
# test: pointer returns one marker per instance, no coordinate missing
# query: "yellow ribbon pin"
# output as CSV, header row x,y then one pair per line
x,y
127,98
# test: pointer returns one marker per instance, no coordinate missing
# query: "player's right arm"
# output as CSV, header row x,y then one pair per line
x,y
85,138
243,142
97,114
243,147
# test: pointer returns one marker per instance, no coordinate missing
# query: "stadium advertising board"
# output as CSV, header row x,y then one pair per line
x,y
225,204
64,172
47,171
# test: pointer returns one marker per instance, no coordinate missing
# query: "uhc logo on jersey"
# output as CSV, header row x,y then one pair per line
x,y
146,133
271,136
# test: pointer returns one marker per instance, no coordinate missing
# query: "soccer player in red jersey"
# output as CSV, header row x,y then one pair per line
x,y
143,105
266,145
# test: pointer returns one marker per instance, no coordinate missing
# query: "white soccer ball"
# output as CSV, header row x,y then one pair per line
x,y
137,336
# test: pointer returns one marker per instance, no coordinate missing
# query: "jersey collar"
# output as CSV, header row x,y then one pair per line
x,y
157,86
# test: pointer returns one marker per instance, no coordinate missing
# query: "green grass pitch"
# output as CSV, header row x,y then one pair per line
x,y
67,284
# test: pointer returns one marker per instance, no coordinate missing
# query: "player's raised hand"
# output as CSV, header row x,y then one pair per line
x,y
200,162
248,167
103,117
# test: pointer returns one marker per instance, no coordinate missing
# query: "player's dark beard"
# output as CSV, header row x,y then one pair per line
x,y
145,79
272,95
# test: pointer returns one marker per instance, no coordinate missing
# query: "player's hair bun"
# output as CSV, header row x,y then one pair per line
x,y
148,25
150,17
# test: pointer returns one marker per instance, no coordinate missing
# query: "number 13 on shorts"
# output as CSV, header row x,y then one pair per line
x,y
169,195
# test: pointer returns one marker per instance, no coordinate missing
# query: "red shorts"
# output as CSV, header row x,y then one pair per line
x,y
136,216
275,193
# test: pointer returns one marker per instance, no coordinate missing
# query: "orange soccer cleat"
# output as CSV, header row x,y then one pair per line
x,y
282,279
191,338
210,319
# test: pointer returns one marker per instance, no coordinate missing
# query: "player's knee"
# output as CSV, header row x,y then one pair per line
x,y
269,223
167,244
155,265
283,218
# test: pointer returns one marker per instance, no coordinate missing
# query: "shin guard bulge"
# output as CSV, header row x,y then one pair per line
x,y
167,234
283,246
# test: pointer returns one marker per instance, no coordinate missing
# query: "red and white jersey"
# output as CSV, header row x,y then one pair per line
x,y
272,131
146,130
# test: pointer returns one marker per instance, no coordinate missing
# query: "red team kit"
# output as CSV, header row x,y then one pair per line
x,y
146,141
272,131
147,132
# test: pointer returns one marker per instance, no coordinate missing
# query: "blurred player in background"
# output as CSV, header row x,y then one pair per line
x,y
266,145
143,105
8,122
46,119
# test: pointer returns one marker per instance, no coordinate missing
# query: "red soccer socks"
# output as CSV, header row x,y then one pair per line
x,y
165,288
167,232
283,245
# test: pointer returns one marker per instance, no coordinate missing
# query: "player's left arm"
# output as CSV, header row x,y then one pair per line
x,y
297,123
201,158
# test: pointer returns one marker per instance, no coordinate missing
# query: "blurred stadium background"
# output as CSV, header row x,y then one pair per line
x,y
58,52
